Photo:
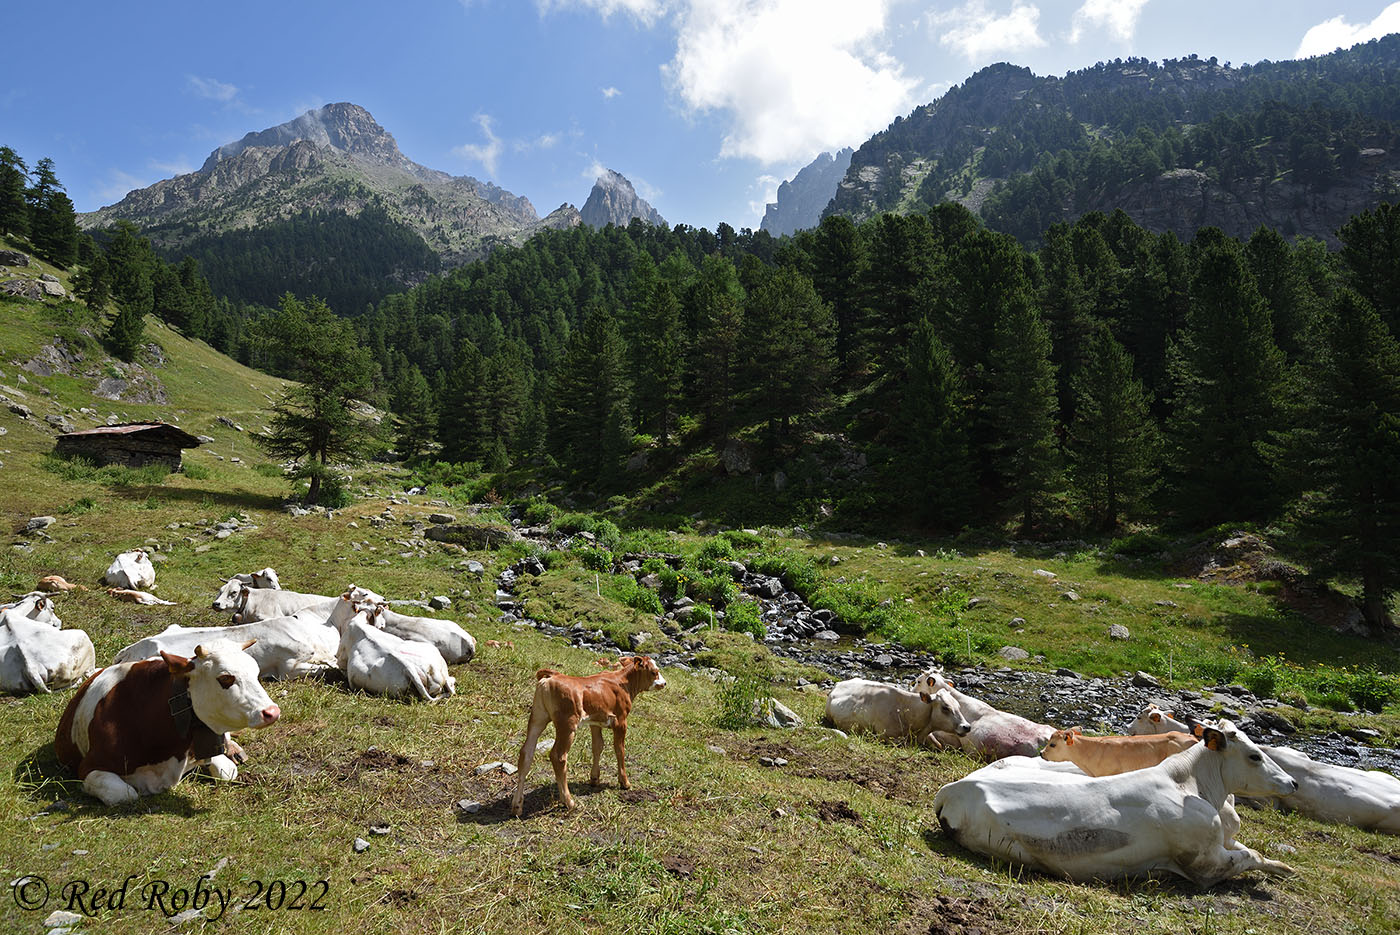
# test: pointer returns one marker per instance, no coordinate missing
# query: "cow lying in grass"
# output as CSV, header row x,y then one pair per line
x,y
131,570
1166,817
283,648
570,701
893,713
455,644
994,733
132,596
1364,798
135,728
36,657
384,664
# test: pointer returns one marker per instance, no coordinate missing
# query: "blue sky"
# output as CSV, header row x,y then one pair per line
x,y
704,104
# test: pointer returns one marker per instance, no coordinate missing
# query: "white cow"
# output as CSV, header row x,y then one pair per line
x,y
384,664
995,733
35,606
1165,817
263,578
35,657
892,712
287,647
1364,798
1153,720
251,604
131,570
455,643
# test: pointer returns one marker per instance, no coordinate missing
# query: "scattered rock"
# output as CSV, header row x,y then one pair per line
x,y
1118,632
468,806
39,524
361,845
440,602
484,768
441,519
774,713
1044,574
1070,596
1013,653
1145,680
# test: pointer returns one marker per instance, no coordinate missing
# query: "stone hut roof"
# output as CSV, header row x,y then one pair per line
x,y
158,433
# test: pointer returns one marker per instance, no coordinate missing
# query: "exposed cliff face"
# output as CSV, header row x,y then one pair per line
x,y
801,201
336,158
613,200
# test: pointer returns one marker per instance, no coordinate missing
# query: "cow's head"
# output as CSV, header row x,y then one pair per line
x,y
642,673
1058,748
946,714
1153,720
224,688
266,578
930,682
1244,768
230,596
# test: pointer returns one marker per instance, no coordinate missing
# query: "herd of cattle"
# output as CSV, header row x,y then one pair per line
x,y
1162,798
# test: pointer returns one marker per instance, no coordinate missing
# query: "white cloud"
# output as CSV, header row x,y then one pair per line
x,y
117,183
487,153
1337,33
172,169
1118,17
981,35
795,77
543,141
610,92
646,11
212,89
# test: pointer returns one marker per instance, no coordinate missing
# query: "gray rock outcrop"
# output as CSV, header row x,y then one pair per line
x,y
613,200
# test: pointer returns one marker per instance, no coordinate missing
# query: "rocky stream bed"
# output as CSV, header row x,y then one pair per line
x,y
1062,698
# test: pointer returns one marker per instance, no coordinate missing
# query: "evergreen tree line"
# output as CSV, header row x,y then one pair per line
x,y
1112,375
34,208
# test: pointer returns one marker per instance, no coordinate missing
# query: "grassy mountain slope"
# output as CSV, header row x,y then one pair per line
x,y
840,839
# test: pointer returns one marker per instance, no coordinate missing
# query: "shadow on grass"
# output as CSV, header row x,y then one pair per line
x,y
44,779
239,498
543,799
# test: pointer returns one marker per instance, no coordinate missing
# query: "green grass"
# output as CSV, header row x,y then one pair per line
x,y
706,841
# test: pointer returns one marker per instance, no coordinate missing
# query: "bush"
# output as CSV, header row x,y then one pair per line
x,y
537,511
743,617
625,590
268,469
797,571
79,506
334,493
605,531
195,471
741,540
737,700
447,473
595,559
714,551
1145,543
717,590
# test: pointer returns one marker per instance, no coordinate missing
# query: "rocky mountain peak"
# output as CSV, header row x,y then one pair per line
x,y
801,201
344,126
613,200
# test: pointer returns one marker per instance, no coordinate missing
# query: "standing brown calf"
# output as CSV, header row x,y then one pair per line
x,y
601,700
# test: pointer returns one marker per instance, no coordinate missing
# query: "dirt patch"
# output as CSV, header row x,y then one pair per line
x,y
903,782
956,915
398,897
1380,855
681,865
634,796
837,810
370,761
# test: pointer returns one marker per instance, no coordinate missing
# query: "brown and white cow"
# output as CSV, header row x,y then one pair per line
x,y
569,701
135,728
133,596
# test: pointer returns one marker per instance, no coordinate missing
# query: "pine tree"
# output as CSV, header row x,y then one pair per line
x,y
1371,251
790,334
938,464
1021,407
459,409
415,417
589,428
53,224
716,359
837,270
1113,442
1225,372
314,420
658,348
14,181
92,284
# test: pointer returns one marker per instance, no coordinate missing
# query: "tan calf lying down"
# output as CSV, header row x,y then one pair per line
x,y
1109,756
568,701
55,583
136,597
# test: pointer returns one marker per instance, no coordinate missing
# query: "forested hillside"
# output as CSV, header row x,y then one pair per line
x,y
1299,145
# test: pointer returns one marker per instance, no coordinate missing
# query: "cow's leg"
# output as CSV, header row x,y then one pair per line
x,y
1230,823
944,740
559,755
538,719
596,773
1222,863
221,767
109,787
619,740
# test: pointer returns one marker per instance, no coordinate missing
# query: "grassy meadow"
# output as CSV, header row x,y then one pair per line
x,y
840,839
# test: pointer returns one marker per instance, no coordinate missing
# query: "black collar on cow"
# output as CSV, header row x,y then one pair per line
x,y
204,742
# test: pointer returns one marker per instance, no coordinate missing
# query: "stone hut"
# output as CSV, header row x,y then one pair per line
x,y
134,444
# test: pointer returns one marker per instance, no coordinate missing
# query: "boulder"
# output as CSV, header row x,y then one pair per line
x,y
440,602
1013,653
476,535
1145,680
1118,632
773,713
736,457
13,258
441,519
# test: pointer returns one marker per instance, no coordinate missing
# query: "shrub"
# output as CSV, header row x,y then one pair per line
x,y
79,506
625,590
743,617
716,590
796,570
715,550
605,531
737,700
741,540
538,511
334,493
267,469
1145,542
195,471
595,559
447,473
